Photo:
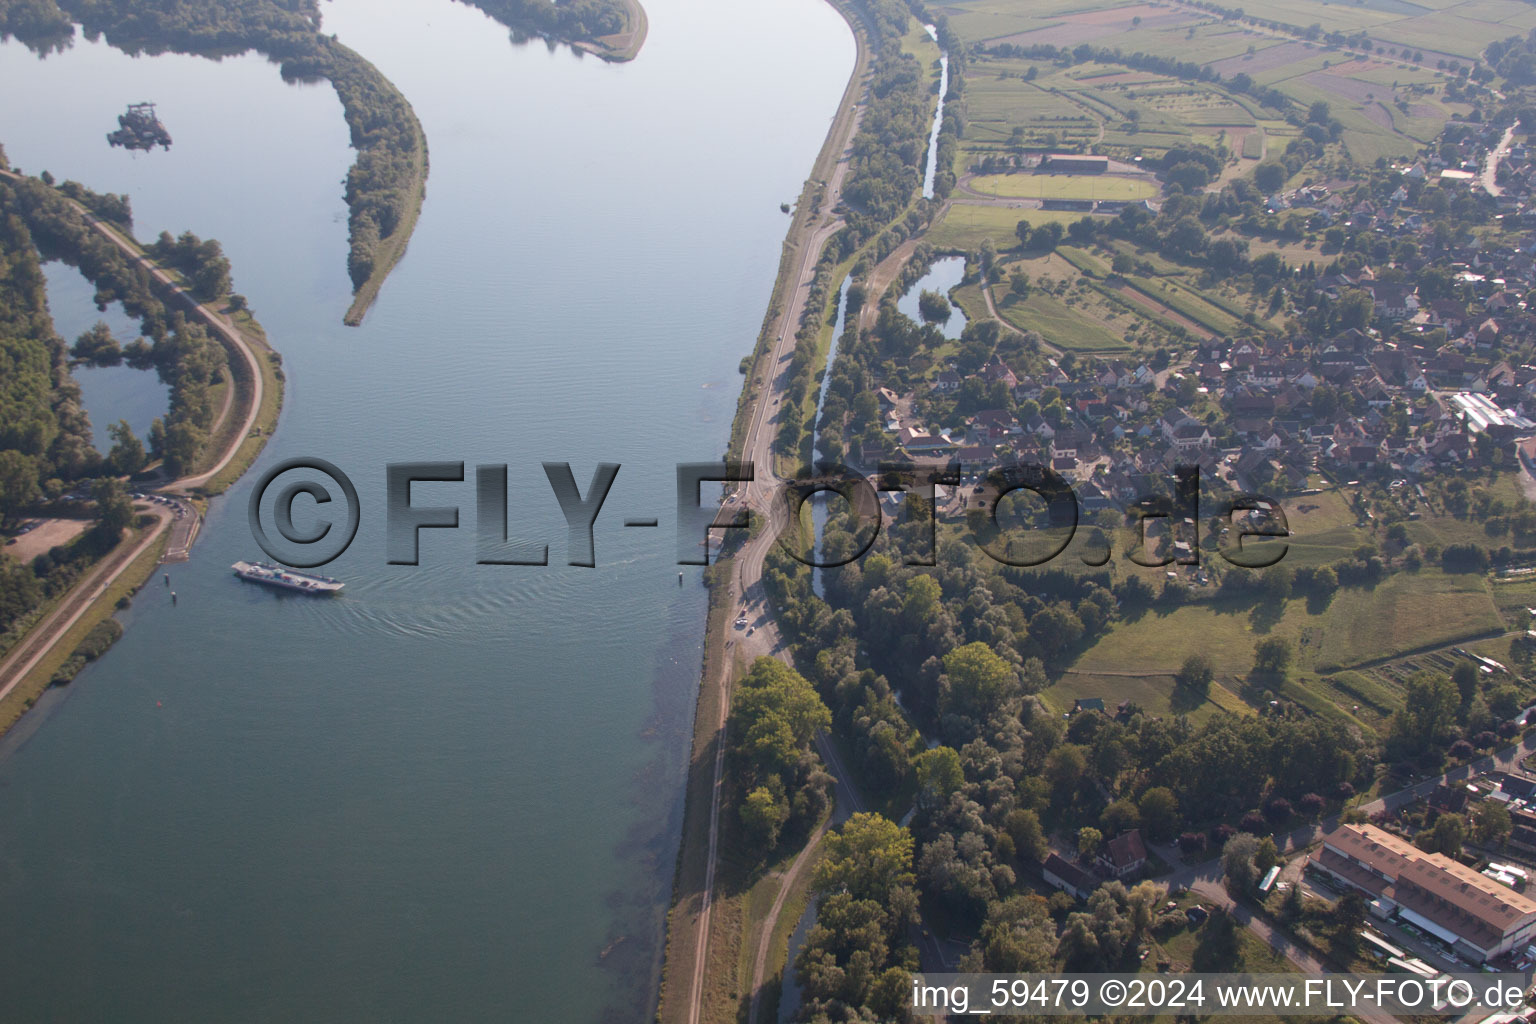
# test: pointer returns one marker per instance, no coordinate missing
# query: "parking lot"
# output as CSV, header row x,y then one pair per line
x,y
42,534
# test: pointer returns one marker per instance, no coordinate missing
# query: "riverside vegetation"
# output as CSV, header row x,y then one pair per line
x,y
1257,298
47,462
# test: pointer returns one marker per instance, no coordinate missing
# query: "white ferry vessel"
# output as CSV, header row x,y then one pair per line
x,y
288,579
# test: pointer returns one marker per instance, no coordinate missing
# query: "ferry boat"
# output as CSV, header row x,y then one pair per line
x,y
289,579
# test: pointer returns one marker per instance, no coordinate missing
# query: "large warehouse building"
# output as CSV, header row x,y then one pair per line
x,y
1474,915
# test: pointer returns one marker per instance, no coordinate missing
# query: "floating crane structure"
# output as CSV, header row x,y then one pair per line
x,y
140,129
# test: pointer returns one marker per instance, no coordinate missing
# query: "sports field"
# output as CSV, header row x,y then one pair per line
x,y
1065,186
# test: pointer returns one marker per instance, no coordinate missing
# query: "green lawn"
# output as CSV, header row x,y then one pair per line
x,y
1064,186
1060,324
1406,611
967,225
1154,694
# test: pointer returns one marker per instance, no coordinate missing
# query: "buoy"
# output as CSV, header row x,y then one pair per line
x,y
167,579
173,597
679,579
158,704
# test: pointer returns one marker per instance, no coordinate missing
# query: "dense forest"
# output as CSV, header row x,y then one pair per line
x,y
383,188
45,436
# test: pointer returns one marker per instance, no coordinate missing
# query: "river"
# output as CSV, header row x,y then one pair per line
x,y
449,793
930,172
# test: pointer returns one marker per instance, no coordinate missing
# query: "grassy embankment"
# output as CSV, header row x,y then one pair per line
x,y
26,693
731,914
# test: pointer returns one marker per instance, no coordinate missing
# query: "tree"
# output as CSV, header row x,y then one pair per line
x,y
1021,229
1064,769
1446,835
114,512
979,682
127,455
1270,176
1196,675
1353,310
1490,822
1028,837
157,438
763,813
1088,840
1272,655
870,858
1120,816
1266,856
97,347
1019,286
1238,863
1018,936
1159,813
933,306
18,482
1191,175
1464,675
1348,916
1047,236
939,775
774,716
1428,715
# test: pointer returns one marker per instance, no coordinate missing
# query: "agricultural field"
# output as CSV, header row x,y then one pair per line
x,y
1079,324
1389,100
1404,614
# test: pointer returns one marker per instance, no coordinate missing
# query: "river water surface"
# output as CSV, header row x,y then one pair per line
x,y
453,793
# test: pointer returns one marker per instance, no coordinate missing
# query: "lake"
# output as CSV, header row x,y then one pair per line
x,y
453,793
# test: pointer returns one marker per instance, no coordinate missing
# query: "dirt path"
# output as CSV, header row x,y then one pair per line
x,y
881,277
42,637
770,923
